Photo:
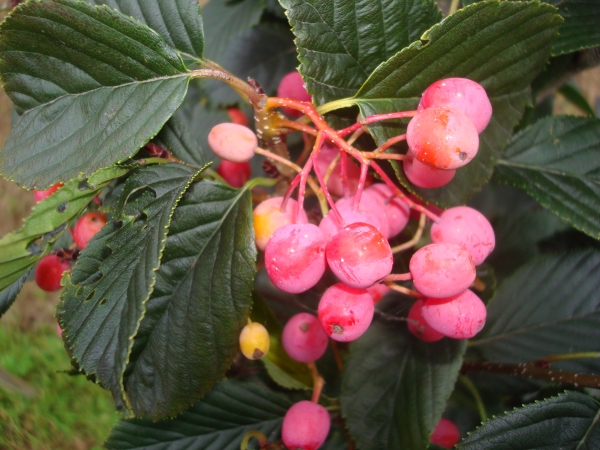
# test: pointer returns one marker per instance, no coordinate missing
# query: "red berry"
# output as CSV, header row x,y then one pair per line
x,y
445,434
417,325
461,316
330,226
235,143
303,338
396,211
87,227
305,426
424,176
237,116
49,272
292,86
377,291
345,313
334,182
41,195
236,174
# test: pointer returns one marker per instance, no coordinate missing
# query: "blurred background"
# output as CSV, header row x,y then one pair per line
x,y
41,405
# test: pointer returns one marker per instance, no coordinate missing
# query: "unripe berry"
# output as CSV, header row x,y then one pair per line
x,y
442,270
359,255
233,142
461,94
442,138
305,426
48,272
467,227
396,211
345,313
41,195
268,218
254,341
417,325
459,317
236,174
87,227
292,86
236,115
424,176
295,257
303,338
445,434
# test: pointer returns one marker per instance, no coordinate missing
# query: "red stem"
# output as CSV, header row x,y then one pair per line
x,y
376,118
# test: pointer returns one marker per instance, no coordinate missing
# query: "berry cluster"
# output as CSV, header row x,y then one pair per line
x,y
359,218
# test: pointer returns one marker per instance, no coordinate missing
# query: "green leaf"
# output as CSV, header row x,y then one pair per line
x,y
556,162
9,294
572,93
178,22
93,86
500,45
281,368
265,53
341,42
218,422
48,220
580,29
569,421
223,21
176,137
549,306
105,297
200,302
395,387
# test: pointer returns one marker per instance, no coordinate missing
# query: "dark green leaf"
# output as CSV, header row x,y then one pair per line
x,y
341,42
93,86
200,302
580,29
48,221
178,22
105,297
500,45
574,95
395,387
176,137
9,294
550,306
265,53
556,162
218,422
569,421
223,21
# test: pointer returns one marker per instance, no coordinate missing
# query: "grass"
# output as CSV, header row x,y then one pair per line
x,y
42,407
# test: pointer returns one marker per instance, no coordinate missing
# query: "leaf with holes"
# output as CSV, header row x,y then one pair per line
x,y
105,297
200,302
93,86
502,45
341,42
395,387
178,22
48,221
556,162
550,306
569,421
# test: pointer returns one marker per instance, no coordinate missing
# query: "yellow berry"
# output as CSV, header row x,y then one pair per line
x,y
254,341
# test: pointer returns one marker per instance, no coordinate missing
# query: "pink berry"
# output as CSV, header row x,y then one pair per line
x,y
87,227
48,272
268,218
377,291
59,330
292,86
359,255
303,338
371,206
305,426
461,316
467,227
417,325
334,182
442,270
396,211
424,176
295,257
236,115
345,313
233,142
442,138
330,226
462,94
41,195
236,174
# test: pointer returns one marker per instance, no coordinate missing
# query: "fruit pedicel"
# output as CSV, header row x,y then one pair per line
x,y
359,218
